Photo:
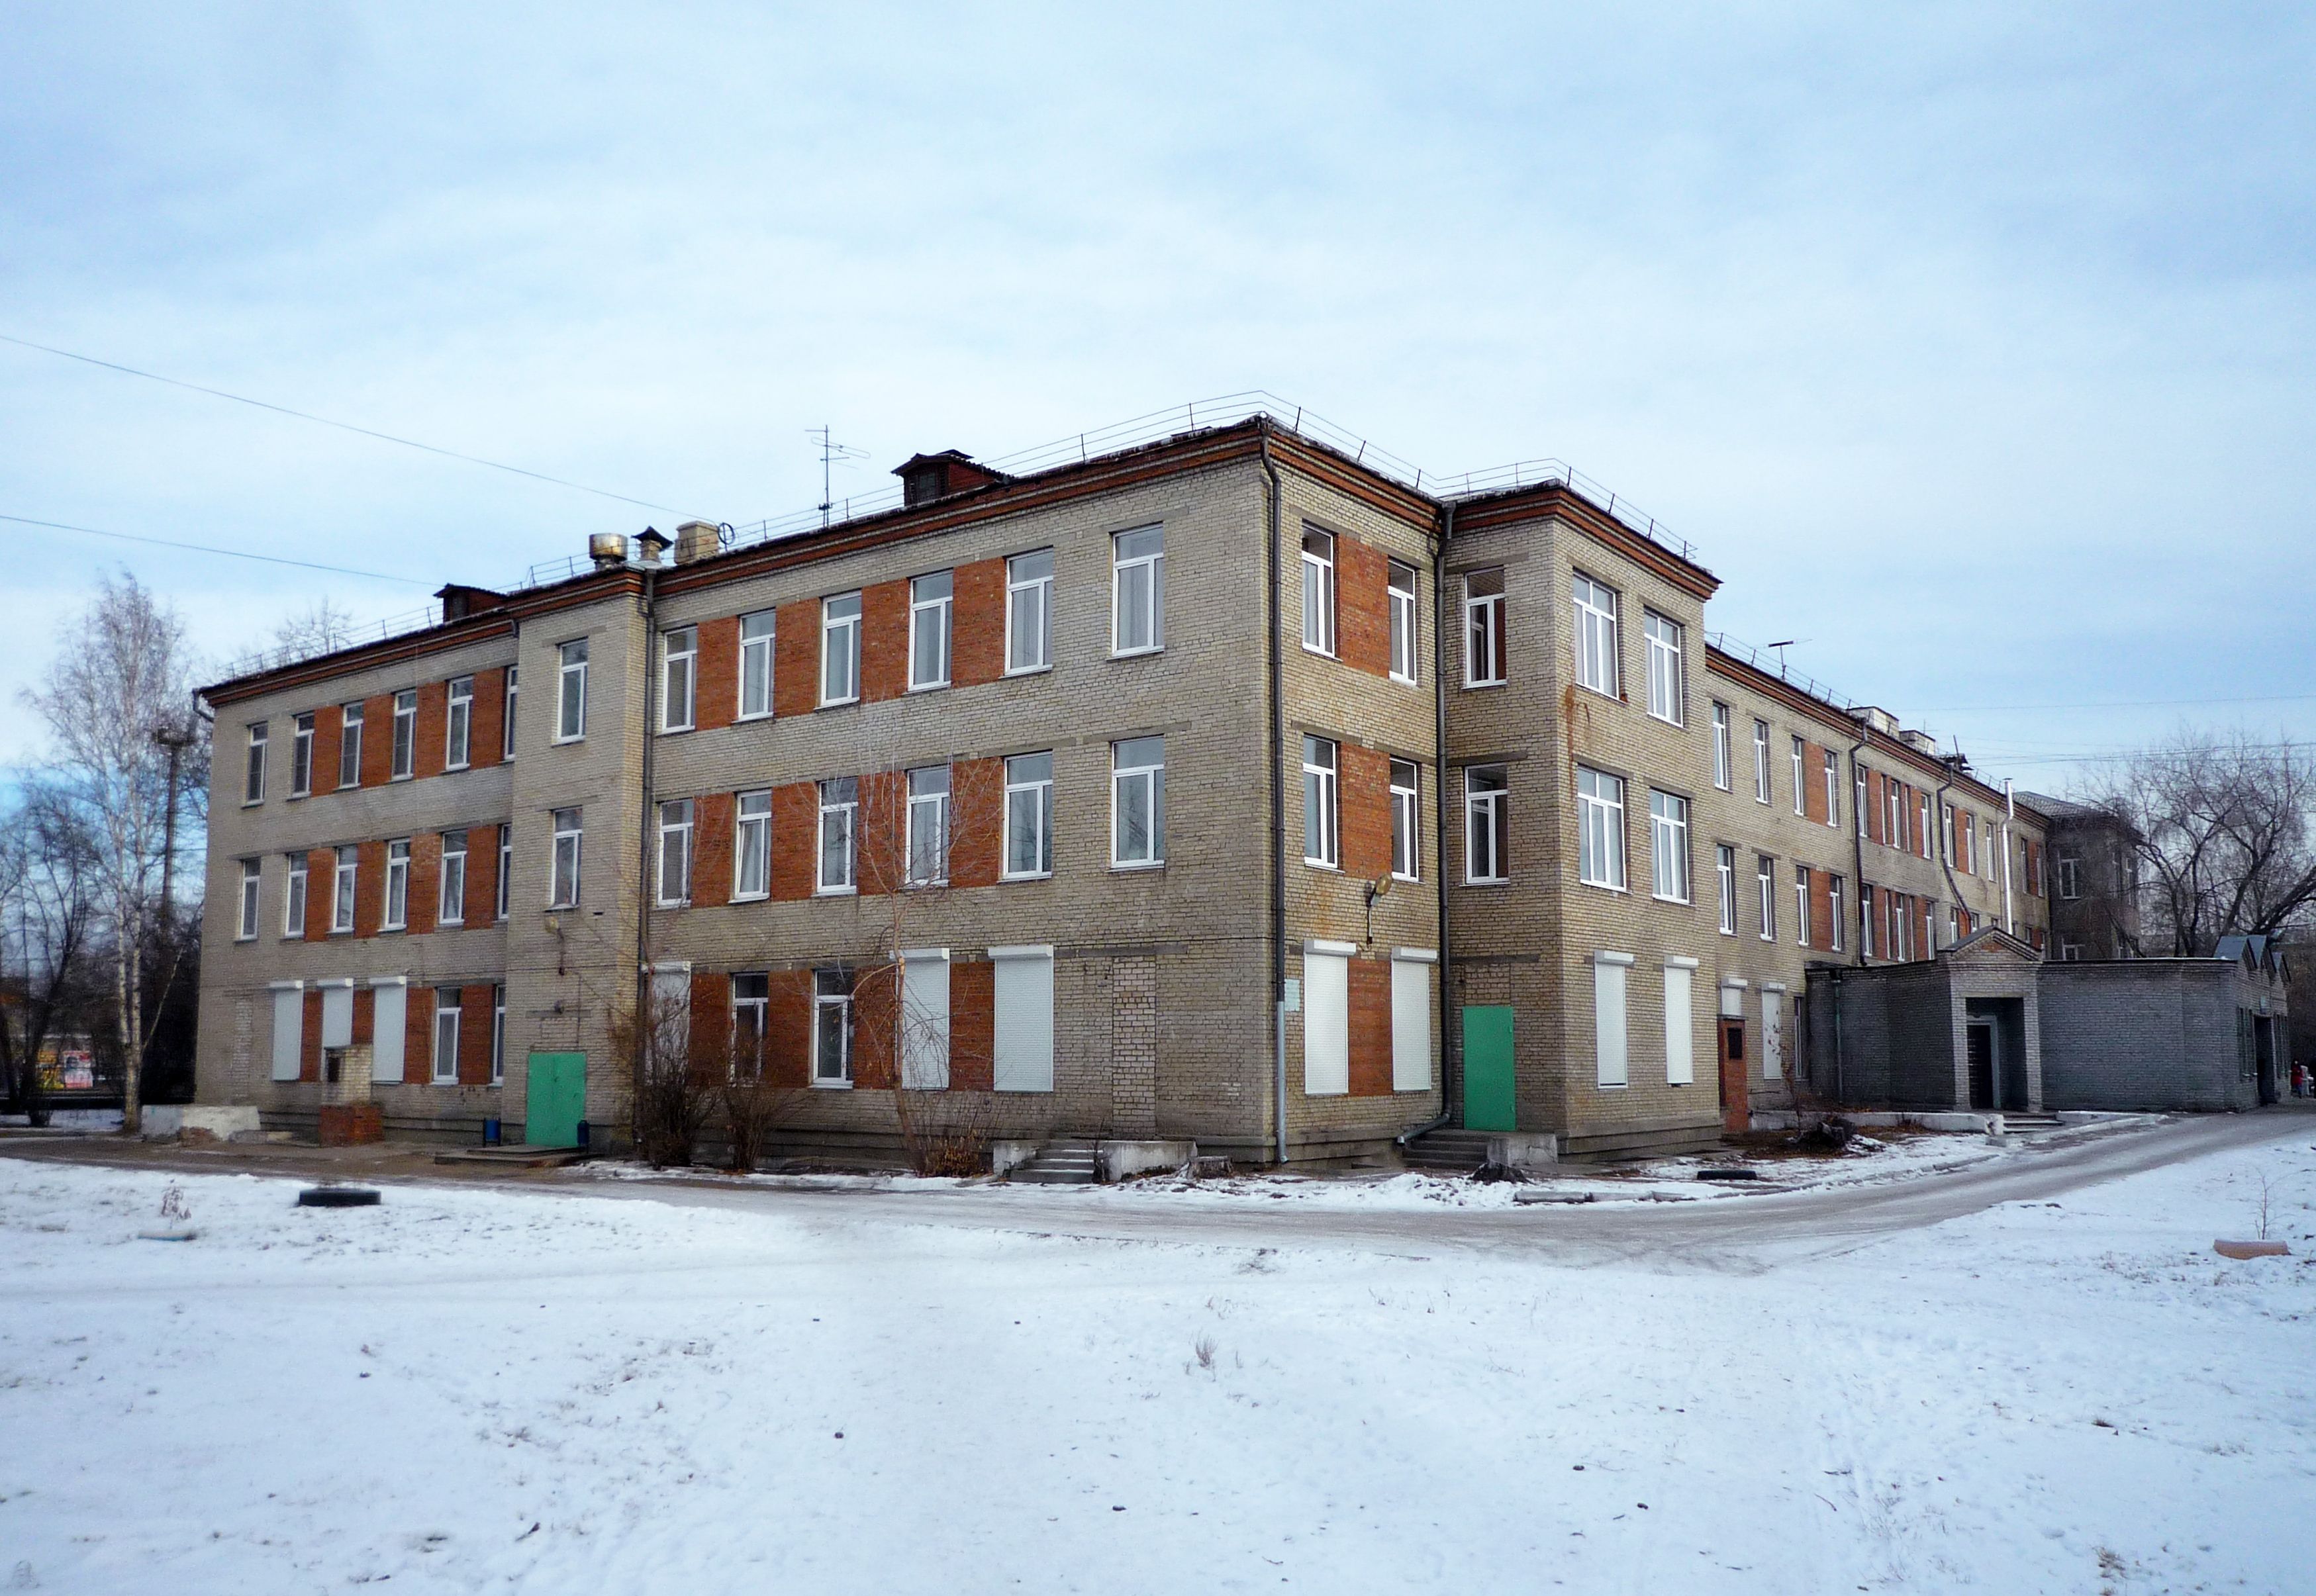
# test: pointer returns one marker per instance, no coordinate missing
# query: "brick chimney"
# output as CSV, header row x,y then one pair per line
x,y
927,477
459,601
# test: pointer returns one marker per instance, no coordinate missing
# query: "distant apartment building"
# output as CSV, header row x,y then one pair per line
x,y
2095,892
1225,789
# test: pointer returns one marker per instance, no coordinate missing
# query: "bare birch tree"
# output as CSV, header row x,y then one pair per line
x,y
116,693
47,914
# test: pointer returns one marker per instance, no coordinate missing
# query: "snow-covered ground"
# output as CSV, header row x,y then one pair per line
x,y
472,1387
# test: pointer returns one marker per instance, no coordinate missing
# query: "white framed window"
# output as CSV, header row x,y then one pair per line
x,y
1765,879
397,886
752,1009
406,734
1610,1040
675,853
1894,816
450,893
831,1028
1857,803
1667,683
932,609
1483,628
840,812
293,897
458,724
1865,918
1138,803
350,736
2069,876
840,649
250,873
1832,788
758,633
1923,802
1138,590
498,1035
301,754
1322,812
1801,778
1318,590
1761,761
1399,590
1724,866
1023,1050
679,676
751,850
1721,774
1600,828
346,862
1029,612
1487,826
1802,905
1946,832
2071,952
1326,1018
928,795
1596,634
1669,847
505,882
254,784
571,691
1679,1021
563,885
1835,912
447,1003
1406,819
506,718
1028,816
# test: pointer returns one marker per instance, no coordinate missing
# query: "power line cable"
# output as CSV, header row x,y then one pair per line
x,y
205,548
2113,703
342,426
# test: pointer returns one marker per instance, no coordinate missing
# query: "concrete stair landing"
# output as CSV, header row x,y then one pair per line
x,y
1067,1163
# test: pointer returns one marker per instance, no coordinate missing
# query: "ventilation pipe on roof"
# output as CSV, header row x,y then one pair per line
x,y
607,549
696,540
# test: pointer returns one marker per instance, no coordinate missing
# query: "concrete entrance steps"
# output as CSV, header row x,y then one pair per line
x,y
2028,1124
1619,1146
1447,1151
1065,1163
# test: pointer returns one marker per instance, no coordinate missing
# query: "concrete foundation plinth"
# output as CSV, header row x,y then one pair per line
x,y
1120,1159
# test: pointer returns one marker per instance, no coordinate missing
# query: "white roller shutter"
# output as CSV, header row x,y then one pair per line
x,y
924,1019
1326,1020
289,1023
1411,1024
1024,1037
389,1019
1608,1027
1681,1025
337,1014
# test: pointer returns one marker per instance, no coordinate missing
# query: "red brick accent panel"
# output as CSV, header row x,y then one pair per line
x,y
426,881
715,696
1874,806
365,1015
795,658
350,1124
378,741
881,848
309,1038
711,1026
977,648
475,1035
1369,995
329,735
433,726
1362,607
1814,782
1821,910
711,849
875,998
370,888
787,1028
973,1027
418,1034
883,641
795,833
482,905
321,886
1367,812
487,741
1964,922
977,821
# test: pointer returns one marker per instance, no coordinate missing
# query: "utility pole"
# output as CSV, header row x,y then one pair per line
x,y
176,739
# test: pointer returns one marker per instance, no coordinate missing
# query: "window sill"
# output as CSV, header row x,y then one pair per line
x,y
1601,693
246,937
1407,682
1326,865
1474,687
749,898
675,731
1729,931
252,803
761,715
404,776
1667,721
821,1085
461,765
1045,670
1033,876
838,703
1493,880
566,741
308,793
1140,653
450,924
676,903
927,687
1612,1086
1399,876
1682,902
1606,887
1136,866
1320,653
836,891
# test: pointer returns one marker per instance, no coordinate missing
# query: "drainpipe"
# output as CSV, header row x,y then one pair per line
x,y
1946,855
1278,808
2010,813
1451,1097
1857,852
644,891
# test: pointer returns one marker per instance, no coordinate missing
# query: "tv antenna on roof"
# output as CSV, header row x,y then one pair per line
x,y
832,453
1781,648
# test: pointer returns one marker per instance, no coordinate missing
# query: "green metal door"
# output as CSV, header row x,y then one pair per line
x,y
1488,1102
557,1099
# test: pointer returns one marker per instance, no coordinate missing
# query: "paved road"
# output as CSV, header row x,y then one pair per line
x,y
1740,1234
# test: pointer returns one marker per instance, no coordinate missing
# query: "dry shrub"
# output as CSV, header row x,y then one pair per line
x,y
751,1110
946,1132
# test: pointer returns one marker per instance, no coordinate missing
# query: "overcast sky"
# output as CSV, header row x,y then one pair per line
x,y
1970,345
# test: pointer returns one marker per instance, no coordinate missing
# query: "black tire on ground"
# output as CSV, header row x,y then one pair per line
x,y
337,1197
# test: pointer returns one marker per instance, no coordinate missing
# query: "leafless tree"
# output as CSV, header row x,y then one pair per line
x,y
113,699
322,627
2223,830
47,915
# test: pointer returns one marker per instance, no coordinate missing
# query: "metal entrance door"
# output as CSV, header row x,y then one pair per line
x,y
1736,1103
1489,1100
555,1099
1981,1064
2263,1041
